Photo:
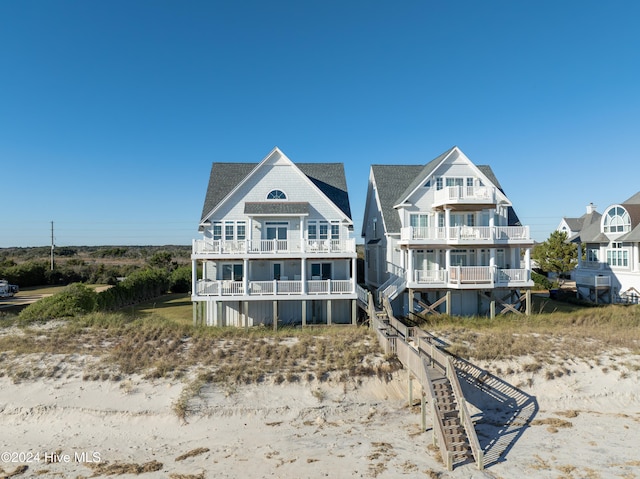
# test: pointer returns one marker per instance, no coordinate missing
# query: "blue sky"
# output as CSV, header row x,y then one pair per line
x,y
111,112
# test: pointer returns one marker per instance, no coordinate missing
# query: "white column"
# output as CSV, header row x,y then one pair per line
x,y
635,257
579,255
303,274
354,274
527,259
492,223
447,257
245,276
409,275
302,245
447,222
194,276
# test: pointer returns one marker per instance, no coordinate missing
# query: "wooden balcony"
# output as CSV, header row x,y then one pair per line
x,y
258,248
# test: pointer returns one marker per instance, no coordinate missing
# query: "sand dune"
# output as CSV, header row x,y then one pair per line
x,y
584,424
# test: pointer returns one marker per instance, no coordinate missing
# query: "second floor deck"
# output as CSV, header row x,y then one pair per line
x,y
488,235
266,247
469,277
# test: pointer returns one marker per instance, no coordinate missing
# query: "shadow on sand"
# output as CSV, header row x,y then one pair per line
x,y
505,411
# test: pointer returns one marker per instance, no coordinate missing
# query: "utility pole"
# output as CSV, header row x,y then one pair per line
x,y
52,246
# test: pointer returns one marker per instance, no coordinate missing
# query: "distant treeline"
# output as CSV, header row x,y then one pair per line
x,y
86,264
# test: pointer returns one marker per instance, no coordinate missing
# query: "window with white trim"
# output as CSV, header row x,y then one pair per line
x,y
617,220
233,230
276,195
418,220
320,270
228,231
232,271
323,230
217,230
617,255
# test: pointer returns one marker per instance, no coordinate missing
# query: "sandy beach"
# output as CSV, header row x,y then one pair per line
x,y
583,424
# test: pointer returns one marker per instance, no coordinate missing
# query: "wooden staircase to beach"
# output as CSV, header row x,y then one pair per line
x,y
456,439
453,431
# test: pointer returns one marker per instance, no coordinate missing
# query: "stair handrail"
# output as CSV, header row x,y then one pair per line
x,y
417,366
465,417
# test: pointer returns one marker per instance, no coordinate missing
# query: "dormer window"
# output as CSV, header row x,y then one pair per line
x,y
276,195
616,220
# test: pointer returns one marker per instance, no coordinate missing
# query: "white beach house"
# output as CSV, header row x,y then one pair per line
x,y
277,245
610,271
444,237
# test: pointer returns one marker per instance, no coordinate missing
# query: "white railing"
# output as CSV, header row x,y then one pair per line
x,y
341,286
218,246
273,246
468,194
591,265
593,280
258,288
430,276
363,294
412,233
330,246
509,276
207,288
465,233
288,287
275,287
392,290
329,286
471,274
512,233
471,233
232,288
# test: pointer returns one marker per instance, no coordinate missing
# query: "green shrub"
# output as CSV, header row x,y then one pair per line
x,y
75,300
31,273
540,281
139,286
181,280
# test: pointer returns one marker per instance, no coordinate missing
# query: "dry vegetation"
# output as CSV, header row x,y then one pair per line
x,y
114,346
550,340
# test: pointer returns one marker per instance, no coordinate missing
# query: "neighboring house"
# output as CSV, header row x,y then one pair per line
x,y
611,271
445,237
573,226
277,245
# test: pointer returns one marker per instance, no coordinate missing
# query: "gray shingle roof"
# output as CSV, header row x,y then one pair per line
x,y
575,224
390,180
276,208
634,200
328,177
